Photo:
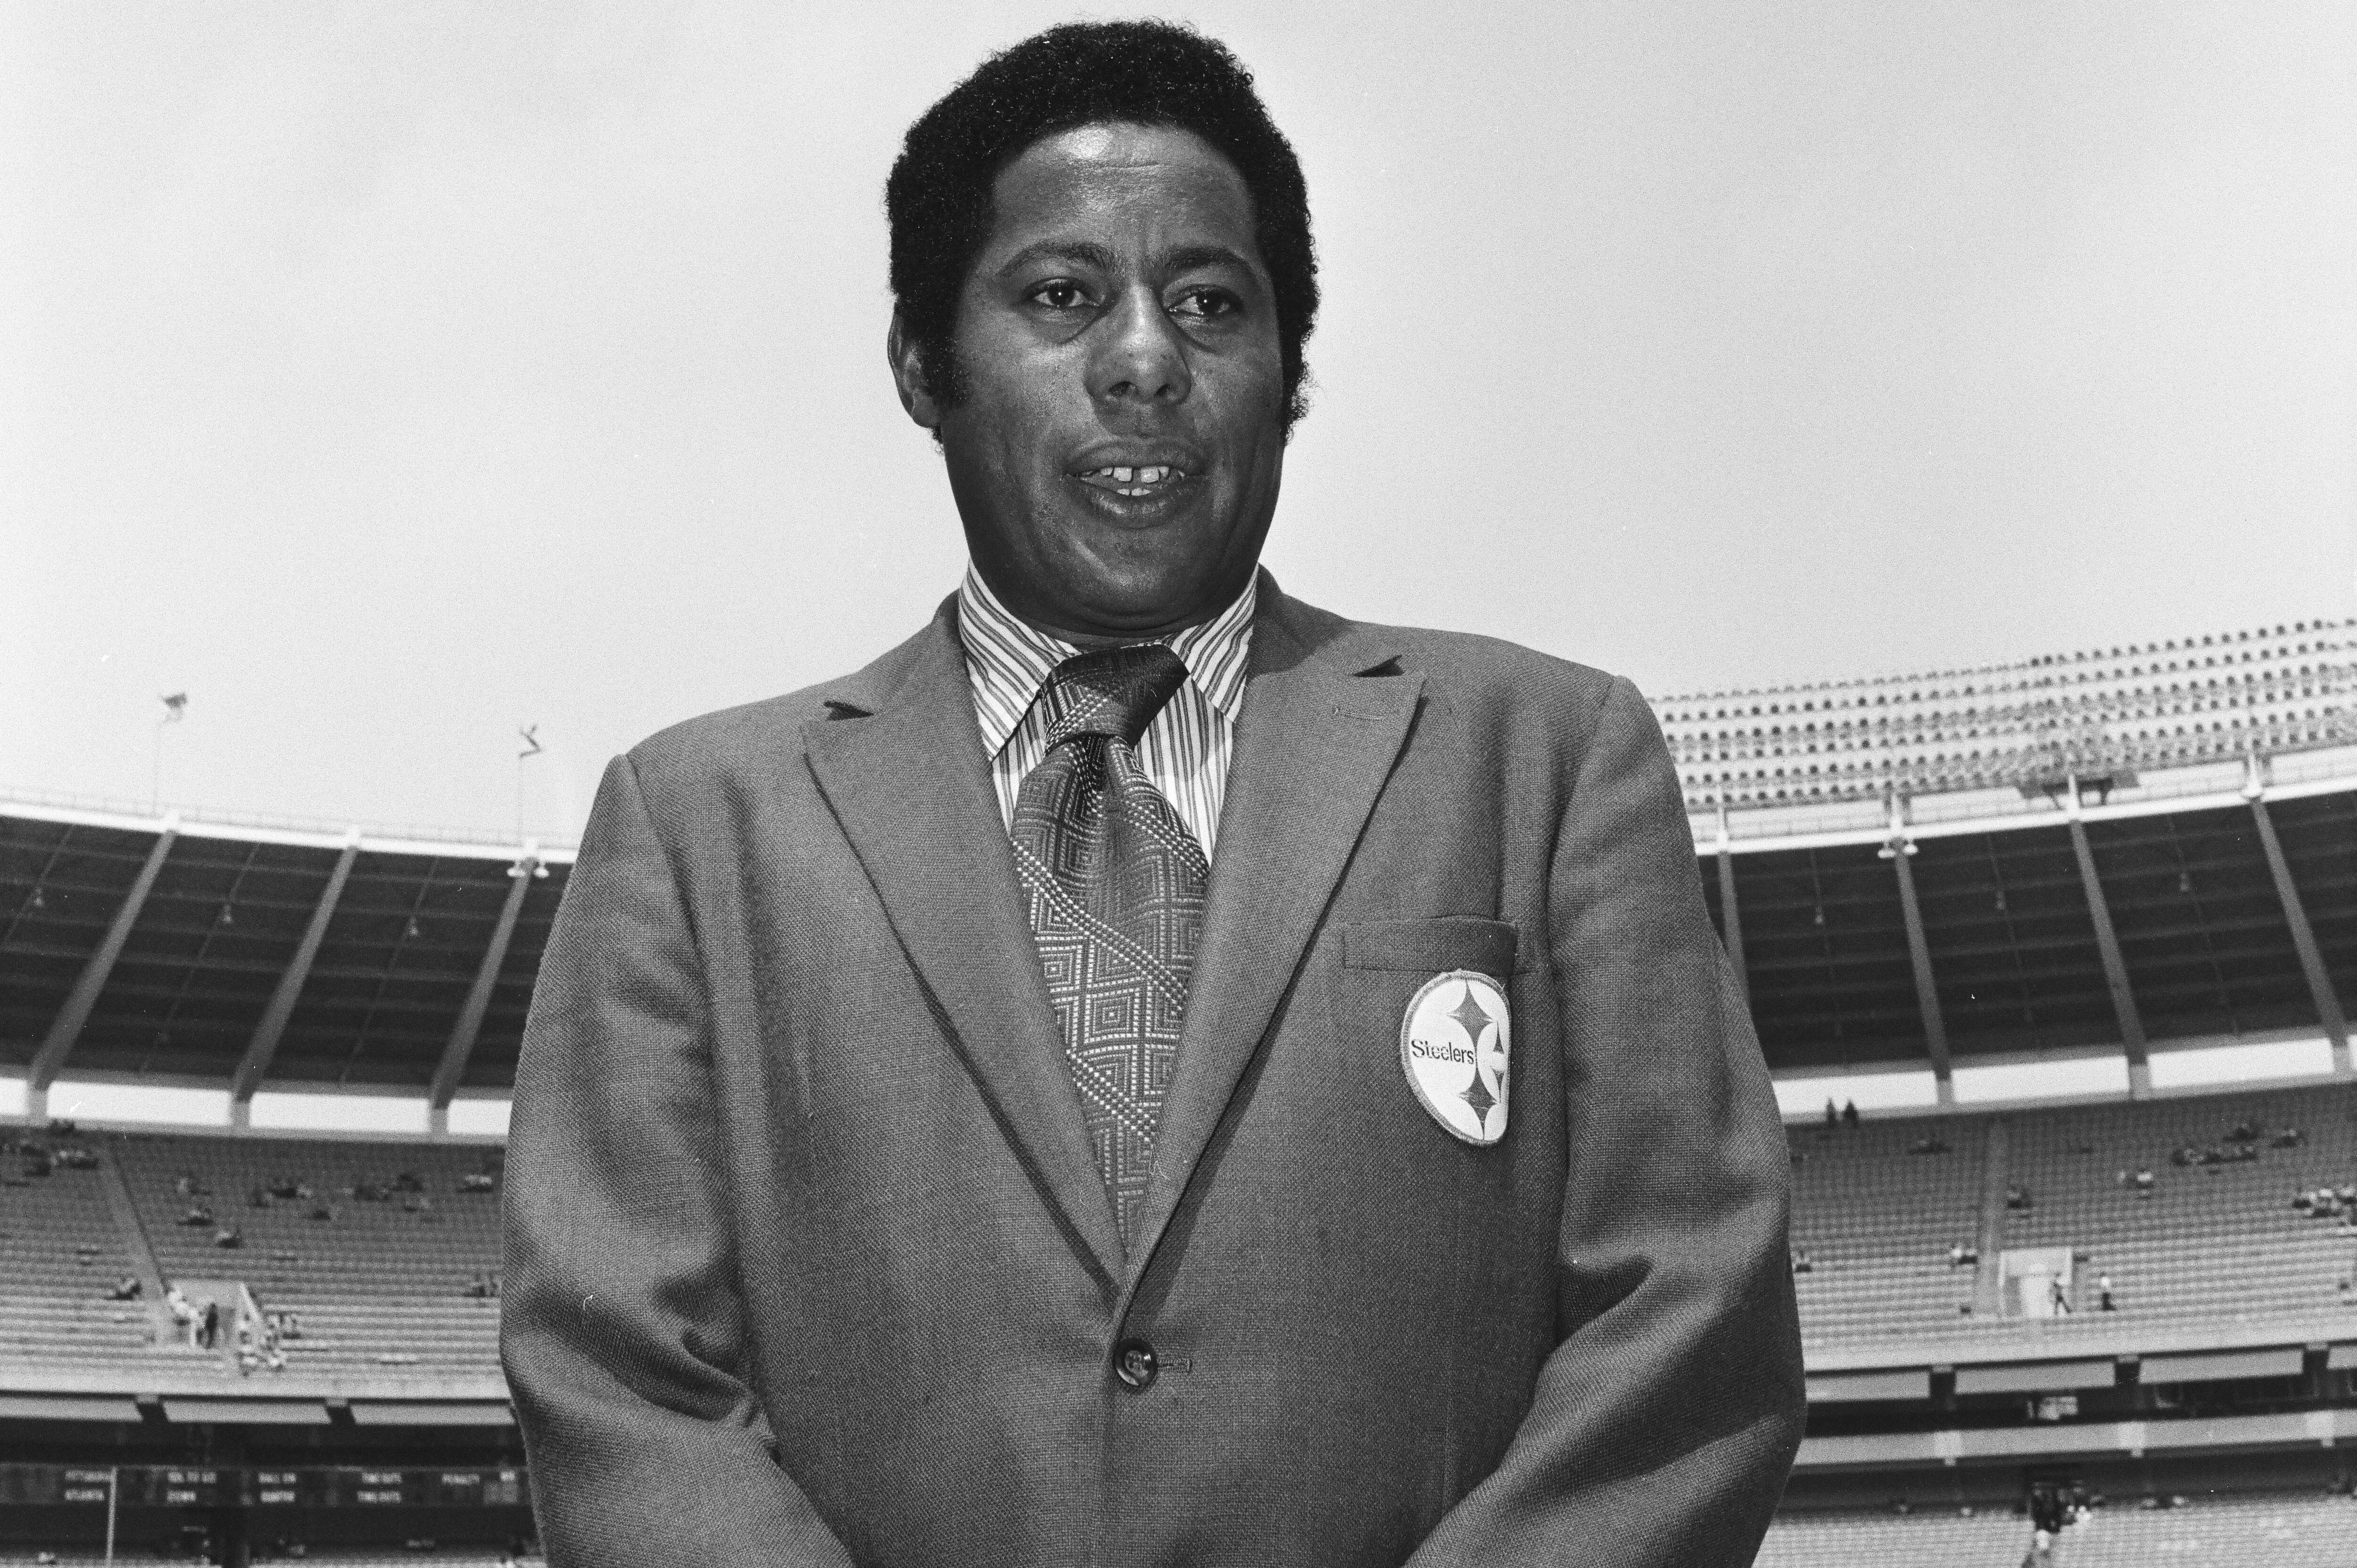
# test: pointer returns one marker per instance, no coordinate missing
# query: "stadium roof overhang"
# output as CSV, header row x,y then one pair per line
x,y
2222,914
176,949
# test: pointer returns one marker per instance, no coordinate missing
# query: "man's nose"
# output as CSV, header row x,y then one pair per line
x,y
1140,358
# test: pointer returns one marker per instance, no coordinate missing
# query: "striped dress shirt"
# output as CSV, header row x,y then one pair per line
x,y
1185,750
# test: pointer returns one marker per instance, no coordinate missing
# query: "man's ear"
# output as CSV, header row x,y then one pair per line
x,y
909,375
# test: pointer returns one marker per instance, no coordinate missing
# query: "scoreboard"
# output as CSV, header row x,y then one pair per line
x,y
157,1486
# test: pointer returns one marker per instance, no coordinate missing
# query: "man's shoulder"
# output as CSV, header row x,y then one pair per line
x,y
1458,664
1473,658
743,730
755,733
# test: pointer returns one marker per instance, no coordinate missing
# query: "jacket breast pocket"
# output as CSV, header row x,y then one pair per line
x,y
1433,946
1425,1009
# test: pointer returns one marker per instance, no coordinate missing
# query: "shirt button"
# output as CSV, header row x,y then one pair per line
x,y
1134,1364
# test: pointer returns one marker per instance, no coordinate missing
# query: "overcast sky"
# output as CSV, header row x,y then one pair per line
x,y
387,376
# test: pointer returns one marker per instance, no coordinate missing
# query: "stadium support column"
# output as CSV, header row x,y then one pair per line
x,y
66,1027
1731,912
1996,1175
1899,852
2115,968
263,1046
461,1044
2303,936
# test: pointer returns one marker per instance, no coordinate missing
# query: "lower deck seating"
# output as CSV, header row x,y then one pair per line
x,y
2279,1531
441,1557
60,1251
338,1557
433,1334
1874,1219
385,1256
2213,1239
379,1218
376,1255
1883,1541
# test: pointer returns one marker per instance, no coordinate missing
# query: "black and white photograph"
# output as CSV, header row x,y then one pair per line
x,y
987,786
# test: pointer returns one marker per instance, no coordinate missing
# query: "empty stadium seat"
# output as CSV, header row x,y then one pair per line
x,y
60,1251
2266,1531
1876,1224
2216,1243
2008,727
381,1285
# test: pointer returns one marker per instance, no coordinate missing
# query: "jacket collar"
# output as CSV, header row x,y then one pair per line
x,y
902,763
1008,661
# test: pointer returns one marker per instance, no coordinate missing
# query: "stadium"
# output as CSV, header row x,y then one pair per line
x,y
2051,961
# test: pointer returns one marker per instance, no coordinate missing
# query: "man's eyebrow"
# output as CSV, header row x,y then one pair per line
x,y
1086,251
1191,258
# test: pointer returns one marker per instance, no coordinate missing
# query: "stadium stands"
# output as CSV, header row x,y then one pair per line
x,y
1874,1223
2216,1243
60,1251
1911,892
376,1262
471,1558
2021,725
385,1257
1879,1540
2267,1531
378,1276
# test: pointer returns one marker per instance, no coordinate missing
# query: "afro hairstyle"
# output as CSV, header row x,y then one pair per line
x,y
1084,73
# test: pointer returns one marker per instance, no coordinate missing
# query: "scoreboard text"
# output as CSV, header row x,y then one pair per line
x,y
157,1486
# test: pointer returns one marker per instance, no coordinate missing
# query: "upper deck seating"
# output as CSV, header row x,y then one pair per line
x,y
2004,727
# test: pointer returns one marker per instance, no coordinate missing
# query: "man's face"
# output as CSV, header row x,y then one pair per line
x,y
1116,454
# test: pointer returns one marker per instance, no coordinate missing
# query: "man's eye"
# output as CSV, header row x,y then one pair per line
x,y
1061,294
1204,304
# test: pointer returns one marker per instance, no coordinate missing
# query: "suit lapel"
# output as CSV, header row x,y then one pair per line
x,y
912,788
1314,745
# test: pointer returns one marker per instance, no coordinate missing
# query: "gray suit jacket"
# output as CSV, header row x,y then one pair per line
x,y
808,1263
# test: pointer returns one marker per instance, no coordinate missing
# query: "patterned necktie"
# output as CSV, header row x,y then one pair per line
x,y
1115,886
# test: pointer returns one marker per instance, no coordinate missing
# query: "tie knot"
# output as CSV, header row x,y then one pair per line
x,y
1110,691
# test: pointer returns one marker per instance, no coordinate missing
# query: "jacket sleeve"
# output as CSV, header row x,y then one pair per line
x,y
622,1326
1662,1427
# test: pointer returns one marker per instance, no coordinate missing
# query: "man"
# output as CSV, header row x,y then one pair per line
x,y
1146,1072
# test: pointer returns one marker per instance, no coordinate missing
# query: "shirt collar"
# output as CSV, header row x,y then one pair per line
x,y
1009,660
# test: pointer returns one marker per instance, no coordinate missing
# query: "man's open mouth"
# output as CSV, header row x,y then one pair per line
x,y
1159,479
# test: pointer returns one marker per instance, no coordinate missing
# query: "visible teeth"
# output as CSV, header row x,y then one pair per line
x,y
1156,475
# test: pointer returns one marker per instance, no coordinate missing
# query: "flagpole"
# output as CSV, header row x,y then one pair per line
x,y
530,734
176,706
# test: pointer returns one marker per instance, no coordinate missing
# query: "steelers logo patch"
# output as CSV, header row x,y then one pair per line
x,y
1454,1043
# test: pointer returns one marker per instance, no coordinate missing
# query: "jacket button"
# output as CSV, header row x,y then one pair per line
x,y
1134,1364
